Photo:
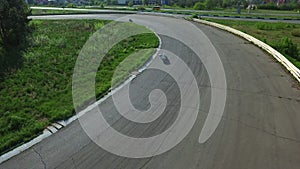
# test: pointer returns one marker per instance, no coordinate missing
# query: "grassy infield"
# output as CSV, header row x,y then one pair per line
x,y
40,92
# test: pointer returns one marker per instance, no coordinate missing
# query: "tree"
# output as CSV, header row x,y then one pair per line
x,y
226,3
14,30
91,2
199,6
210,4
145,2
102,6
108,2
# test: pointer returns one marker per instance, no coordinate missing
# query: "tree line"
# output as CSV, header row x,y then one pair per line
x,y
14,31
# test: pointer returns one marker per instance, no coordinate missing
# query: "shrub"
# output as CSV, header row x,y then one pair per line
x,y
102,6
268,6
199,6
291,6
130,4
272,6
71,5
210,4
286,46
195,16
141,8
98,25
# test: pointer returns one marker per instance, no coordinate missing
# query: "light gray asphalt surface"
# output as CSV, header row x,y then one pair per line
x,y
259,129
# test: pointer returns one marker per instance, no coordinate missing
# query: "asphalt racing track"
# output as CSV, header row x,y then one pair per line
x,y
259,129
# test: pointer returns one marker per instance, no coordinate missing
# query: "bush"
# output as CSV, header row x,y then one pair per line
x,y
195,16
102,6
286,46
71,5
210,4
130,4
272,6
141,8
291,6
268,6
199,6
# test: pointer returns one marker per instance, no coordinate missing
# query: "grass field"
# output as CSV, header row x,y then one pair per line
x,y
263,11
251,15
82,11
40,92
284,37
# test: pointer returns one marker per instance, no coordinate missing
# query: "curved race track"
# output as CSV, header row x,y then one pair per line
x,y
260,127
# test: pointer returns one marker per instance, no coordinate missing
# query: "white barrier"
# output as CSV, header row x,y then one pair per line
x,y
278,56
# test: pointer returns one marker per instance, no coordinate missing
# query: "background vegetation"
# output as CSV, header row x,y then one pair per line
x,y
39,93
14,30
189,4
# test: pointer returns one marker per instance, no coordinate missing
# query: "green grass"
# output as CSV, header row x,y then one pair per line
x,y
224,13
83,11
270,33
57,12
261,11
40,92
250,15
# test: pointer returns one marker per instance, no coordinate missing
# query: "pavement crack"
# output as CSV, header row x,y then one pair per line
x,y
147,162
264,131
261,93
41,158
73,161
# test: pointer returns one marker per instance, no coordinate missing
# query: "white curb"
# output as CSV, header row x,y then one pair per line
x,y
278,56
23,147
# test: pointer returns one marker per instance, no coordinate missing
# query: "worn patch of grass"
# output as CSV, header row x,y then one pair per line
x,y
296,32
40,92
275,34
